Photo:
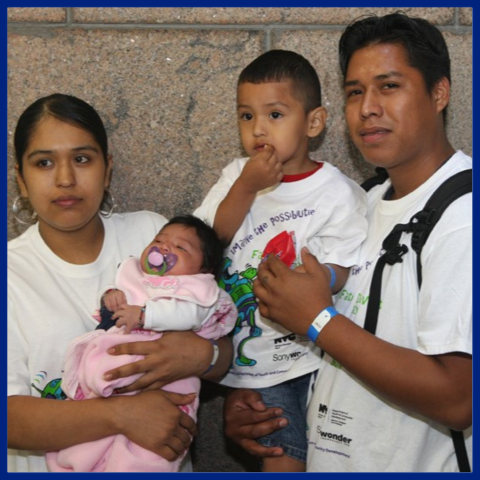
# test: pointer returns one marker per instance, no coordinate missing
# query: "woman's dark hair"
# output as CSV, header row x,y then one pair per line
x,y
284,65
212,246
66,108
424,44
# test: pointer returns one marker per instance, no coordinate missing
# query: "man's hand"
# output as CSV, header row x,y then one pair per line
x,y
247,418
292,298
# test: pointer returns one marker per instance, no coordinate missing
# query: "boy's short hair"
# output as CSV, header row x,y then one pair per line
x,y
284,65
424,44
212,246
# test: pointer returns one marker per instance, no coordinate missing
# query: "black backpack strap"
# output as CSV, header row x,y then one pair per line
x,y
420,225
393,253
460,451
424,221
379,178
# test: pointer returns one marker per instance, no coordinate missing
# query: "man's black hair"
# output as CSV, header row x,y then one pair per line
x,y
424,44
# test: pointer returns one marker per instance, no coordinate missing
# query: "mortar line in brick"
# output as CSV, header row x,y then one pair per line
x,y
17,27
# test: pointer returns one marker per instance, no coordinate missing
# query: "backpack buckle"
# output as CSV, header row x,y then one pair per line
x,y
395,254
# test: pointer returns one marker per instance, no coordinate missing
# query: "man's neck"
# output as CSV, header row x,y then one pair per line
x,y
407,178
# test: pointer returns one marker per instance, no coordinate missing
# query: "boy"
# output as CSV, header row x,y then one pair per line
x,y
280,192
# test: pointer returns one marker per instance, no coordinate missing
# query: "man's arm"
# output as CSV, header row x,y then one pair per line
x,y
247,418
438,387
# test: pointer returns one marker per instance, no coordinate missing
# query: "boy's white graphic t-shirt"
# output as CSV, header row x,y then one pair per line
x,y
326,213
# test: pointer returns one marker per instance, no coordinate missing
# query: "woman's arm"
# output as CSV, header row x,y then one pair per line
x,y
174,356
149,419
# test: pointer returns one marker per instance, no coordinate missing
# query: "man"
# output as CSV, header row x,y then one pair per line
x,y
385,402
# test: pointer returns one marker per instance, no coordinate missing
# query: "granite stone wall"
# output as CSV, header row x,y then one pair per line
x,y
163,80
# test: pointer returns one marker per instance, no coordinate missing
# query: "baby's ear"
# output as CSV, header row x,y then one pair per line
x,y
317,120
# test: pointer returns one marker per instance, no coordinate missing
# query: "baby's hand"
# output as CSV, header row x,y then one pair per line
x,y
114,299
128,316
263,169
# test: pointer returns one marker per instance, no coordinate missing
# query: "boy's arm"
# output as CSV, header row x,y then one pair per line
x,y
338,277
261,171
232,210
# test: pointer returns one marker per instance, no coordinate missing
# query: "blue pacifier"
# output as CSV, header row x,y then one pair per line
x,y
157,263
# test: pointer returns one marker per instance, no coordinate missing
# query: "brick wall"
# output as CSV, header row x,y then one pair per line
x,y
163,80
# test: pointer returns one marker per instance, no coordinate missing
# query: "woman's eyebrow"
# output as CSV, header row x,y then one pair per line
x,y
76,149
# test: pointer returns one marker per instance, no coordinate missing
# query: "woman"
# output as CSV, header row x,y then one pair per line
x,y
55,270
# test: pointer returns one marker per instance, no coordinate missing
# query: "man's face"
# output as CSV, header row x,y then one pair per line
x,y
392,118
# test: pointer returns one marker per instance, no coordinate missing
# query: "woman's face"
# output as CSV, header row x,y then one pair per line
x,y
64,176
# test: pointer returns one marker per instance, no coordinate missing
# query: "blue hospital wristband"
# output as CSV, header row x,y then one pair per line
x,y
333,276
320,321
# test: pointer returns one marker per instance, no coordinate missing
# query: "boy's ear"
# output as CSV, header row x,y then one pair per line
x,y
317,119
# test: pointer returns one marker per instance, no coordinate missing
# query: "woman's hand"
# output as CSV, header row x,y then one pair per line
x,y
153,420
247,418
174,356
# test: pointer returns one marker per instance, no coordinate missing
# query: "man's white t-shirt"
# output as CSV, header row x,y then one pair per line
x,y
352,429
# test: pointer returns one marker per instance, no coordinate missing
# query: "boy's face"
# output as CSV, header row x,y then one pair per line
x,y
182,241
269,113
393,119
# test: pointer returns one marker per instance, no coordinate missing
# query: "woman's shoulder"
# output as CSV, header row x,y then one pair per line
x,y
137,219
26,238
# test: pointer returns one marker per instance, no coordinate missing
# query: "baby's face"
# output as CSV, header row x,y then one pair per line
x,y
181,241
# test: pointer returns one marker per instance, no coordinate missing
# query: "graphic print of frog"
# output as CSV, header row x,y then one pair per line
x,y
239,287
52,390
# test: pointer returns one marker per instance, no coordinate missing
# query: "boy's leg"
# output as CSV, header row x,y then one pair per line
x,y
291,396
282,464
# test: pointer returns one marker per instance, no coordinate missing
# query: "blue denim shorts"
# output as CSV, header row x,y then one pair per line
x,y
292,397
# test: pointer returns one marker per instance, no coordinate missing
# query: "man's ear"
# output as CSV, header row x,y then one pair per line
x,y
317,119
21,183
441,94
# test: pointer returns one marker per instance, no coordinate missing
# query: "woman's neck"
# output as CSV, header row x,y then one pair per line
x,y
79,247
